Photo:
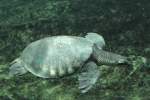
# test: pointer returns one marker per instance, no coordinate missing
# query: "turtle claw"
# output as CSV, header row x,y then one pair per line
x,y
85,86
85,89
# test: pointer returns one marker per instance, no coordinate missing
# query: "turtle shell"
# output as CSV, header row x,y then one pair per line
x,y
56,56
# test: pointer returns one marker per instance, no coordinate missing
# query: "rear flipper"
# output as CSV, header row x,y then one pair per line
x,y
17,68
88,77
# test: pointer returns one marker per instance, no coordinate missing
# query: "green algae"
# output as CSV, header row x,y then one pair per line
x,y
114,83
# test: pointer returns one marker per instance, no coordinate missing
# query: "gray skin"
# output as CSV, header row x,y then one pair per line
x,y
58,56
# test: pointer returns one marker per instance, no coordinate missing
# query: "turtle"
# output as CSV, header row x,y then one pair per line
x,y
59,56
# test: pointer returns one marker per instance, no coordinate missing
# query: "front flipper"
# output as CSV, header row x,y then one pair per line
x,y
88,76
104,57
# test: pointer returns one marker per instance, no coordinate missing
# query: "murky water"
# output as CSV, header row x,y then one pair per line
x,y
123,24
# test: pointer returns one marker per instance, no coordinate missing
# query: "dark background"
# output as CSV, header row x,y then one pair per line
x,y
125,25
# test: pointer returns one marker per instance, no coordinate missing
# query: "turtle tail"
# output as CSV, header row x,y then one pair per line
x,y
108,58
16,67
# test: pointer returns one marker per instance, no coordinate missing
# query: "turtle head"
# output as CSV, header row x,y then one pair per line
x,y
96,39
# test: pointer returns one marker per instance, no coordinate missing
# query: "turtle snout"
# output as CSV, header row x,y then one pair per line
x,y
122,61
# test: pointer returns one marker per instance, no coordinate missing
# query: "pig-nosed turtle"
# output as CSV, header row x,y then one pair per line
x,y
58,56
